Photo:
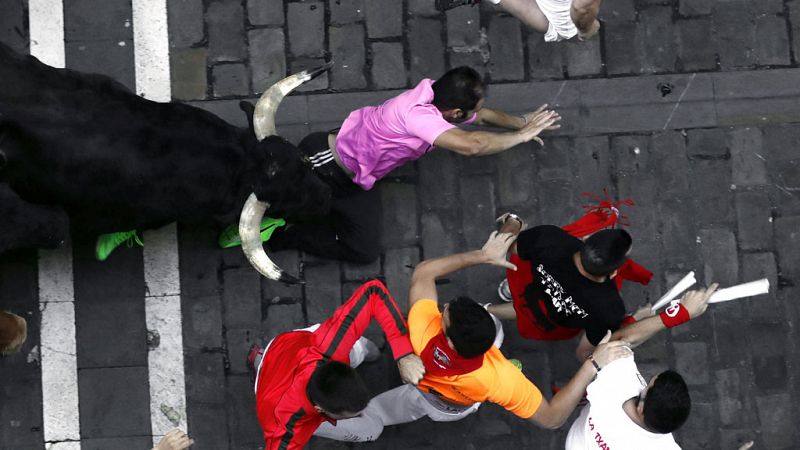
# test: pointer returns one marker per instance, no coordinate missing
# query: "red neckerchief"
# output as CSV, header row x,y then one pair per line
x,y
441,360
604,214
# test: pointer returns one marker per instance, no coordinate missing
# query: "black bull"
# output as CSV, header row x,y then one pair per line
x,y
83,146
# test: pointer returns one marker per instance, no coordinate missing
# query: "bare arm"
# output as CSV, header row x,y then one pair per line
x,y
639,332
554,413
423,280
493,117
479,143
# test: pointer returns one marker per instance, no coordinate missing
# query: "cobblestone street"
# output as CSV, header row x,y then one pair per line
x,y
689,107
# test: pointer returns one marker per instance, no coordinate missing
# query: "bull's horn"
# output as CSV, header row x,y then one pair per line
x,y
250,234
267,106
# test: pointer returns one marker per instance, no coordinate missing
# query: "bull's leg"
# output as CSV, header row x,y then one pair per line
x,y
353,235
28,225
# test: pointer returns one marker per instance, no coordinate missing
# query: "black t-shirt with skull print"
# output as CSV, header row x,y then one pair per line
x,y
571,299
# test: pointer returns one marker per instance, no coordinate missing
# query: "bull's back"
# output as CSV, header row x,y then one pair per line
x,y
92,144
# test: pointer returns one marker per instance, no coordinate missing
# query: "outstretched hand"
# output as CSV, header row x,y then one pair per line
x,y
538,121
411,369
608,351
174,440
496,248
696,302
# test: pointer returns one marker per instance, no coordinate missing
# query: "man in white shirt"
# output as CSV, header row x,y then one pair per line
x,y
625,412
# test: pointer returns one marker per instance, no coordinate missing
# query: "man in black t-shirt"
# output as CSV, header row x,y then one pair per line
x,y
564,285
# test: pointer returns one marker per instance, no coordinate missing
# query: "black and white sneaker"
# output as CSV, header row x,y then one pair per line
x,y
444,5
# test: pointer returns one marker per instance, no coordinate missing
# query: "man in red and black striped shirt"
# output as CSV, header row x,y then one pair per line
x,y
304,378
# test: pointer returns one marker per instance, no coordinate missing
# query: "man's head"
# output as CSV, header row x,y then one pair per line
x,y
605,251
468,326
666,404
458,93
337,390
13,333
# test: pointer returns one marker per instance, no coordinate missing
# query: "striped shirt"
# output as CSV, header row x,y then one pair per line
x,y
286,415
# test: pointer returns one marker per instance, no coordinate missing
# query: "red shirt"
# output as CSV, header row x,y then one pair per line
x,y
287,416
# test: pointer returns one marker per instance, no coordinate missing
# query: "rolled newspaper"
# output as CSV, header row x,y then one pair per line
x,y
750,289
685,283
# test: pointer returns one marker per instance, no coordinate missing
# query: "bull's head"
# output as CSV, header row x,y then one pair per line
x,y
254,209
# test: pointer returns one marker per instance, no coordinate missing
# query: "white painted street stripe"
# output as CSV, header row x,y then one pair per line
x,y
60,414
162,278
46,23
151,49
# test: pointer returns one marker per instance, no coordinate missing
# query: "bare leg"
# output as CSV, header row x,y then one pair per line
x,y
503,311
584,16
528,12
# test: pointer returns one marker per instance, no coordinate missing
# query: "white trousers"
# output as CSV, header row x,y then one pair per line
x,y
402,404
357,353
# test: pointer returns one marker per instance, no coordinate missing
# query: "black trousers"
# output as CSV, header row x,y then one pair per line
x,y
352,230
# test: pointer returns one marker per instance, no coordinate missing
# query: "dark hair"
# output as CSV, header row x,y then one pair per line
x,y
667,403
337,388
605,251
471,328
461,87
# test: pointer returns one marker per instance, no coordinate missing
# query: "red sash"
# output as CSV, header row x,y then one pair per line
x,y
441,360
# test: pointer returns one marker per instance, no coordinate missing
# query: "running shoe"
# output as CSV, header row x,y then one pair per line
x,y
254,354
504,292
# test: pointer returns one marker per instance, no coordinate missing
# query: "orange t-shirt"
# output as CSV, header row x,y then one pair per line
x,y
497,380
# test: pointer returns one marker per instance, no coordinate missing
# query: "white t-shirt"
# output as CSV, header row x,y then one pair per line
x,y
603,424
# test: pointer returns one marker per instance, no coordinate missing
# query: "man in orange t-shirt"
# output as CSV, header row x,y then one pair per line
x,y
463,364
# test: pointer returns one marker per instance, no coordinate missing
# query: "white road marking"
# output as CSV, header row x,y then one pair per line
x,y
162,279
60,417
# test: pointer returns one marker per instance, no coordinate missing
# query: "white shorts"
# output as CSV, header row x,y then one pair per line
x,y
558,12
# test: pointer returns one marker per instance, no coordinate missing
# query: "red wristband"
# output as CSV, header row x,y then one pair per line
x,y
628,320
674,315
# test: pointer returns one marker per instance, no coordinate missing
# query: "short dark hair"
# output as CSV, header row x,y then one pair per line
x,y
337,388
461,88
605,251
667,403
471,328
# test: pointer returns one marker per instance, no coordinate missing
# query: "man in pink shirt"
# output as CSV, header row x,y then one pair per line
x,y
375,140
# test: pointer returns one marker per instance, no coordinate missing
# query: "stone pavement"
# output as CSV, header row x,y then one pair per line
x,y
687,106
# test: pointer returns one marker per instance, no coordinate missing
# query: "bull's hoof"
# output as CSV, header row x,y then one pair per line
x,y
289,279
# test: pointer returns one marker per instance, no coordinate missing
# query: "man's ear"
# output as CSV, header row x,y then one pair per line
x,y
455,113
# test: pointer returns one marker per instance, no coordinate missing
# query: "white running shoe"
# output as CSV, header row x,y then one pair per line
x,y
504,292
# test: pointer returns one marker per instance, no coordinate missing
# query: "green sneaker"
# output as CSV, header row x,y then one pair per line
x,y
230,235
517,363
106,243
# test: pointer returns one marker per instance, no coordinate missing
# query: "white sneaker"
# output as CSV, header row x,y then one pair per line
x,y
504,292
373,352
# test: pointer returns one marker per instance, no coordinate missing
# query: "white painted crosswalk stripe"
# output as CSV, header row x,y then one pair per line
x,y
161,273
60,417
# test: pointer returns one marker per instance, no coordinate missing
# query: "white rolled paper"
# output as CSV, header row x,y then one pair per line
x,y
750,289
685,283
